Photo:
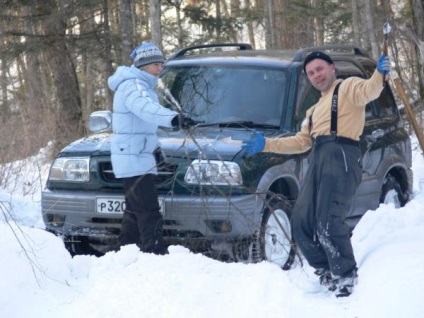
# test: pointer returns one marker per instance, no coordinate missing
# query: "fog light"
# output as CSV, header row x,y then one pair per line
x,y
56,220
219,226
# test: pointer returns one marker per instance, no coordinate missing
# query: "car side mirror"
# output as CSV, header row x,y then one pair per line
x,y
100,121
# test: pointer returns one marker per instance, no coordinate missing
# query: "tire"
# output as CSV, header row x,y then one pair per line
x,y
275,243
392,193
79,245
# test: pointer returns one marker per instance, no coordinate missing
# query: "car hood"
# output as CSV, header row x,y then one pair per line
x,y
212,142
97,144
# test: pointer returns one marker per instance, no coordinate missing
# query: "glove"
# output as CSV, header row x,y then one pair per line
x,y
184,121
383,65
255,144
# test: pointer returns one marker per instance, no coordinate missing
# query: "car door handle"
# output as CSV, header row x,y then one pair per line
x,y
378,133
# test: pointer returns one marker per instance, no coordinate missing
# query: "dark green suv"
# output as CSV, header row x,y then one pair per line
x,y
214,198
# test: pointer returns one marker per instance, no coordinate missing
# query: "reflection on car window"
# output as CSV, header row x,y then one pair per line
x,y
369,111
384,105
217,94
307,97
369,69
346,69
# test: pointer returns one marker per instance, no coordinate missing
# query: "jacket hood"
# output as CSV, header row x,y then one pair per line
x,y
124,73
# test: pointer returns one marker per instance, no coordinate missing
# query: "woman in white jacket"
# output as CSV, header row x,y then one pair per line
x,y
136,117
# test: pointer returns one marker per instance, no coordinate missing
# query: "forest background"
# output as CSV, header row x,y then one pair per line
x,y
56,55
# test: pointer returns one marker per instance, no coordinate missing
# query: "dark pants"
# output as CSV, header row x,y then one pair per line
x,y
318,222
142,222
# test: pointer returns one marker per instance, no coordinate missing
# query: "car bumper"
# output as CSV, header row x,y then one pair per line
x,y
212,217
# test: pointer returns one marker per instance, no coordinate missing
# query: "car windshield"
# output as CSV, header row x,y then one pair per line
x,y
226,94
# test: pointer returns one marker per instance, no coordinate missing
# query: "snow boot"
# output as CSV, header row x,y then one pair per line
x,y
344,284
325,278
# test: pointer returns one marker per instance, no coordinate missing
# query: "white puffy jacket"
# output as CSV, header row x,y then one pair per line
x,y
136,117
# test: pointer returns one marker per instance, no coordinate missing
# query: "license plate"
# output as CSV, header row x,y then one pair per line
x,y
110,205
117,205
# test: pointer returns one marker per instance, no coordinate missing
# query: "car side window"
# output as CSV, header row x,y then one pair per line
x,y
384,105
307,96
369,111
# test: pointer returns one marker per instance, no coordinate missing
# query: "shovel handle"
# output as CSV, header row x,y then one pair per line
x,y
385,53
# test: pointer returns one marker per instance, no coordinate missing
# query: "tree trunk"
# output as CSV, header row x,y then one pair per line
x,y
33,65
250,32
269,24
155,13
280,38
235,13
418,29
126,31
69,111
87,65
319,22
37,129
218,20
363,32
4,105
180,36
369,15
356,24
107,56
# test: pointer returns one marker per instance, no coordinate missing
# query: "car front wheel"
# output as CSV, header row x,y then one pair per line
x,y
80,245
275,235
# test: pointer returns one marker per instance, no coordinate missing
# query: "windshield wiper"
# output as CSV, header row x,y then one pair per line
x,y
242,123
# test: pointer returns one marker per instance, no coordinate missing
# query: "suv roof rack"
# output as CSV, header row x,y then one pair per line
x,y
336,48
182,52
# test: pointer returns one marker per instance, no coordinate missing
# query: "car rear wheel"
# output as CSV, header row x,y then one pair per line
x,y
392,193
275,243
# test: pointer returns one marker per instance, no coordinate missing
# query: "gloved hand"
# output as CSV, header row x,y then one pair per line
x,y
383,65
255,144
184,121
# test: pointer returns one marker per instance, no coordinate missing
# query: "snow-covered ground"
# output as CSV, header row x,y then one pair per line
x,y
40,279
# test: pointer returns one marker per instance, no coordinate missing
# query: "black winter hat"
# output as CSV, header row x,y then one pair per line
x,y
316,55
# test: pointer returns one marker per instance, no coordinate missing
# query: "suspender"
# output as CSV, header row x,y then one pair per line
x,y
333,129
334,103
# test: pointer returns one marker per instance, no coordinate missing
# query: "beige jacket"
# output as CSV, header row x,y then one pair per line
x,y
354,94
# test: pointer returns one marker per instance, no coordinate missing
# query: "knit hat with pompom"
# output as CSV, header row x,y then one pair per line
x,y
146,53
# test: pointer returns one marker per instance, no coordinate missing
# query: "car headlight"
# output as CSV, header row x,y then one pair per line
x,y
213,172
70,169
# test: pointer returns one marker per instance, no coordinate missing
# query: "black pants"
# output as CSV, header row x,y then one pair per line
x,y
318,221
142,222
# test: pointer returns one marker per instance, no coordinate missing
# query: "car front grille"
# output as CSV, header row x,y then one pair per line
x,y
165,174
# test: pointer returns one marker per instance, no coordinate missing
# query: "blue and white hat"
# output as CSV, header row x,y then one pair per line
x,y
146,53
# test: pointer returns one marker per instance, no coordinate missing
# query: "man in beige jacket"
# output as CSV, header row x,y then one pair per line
x,y
332,128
